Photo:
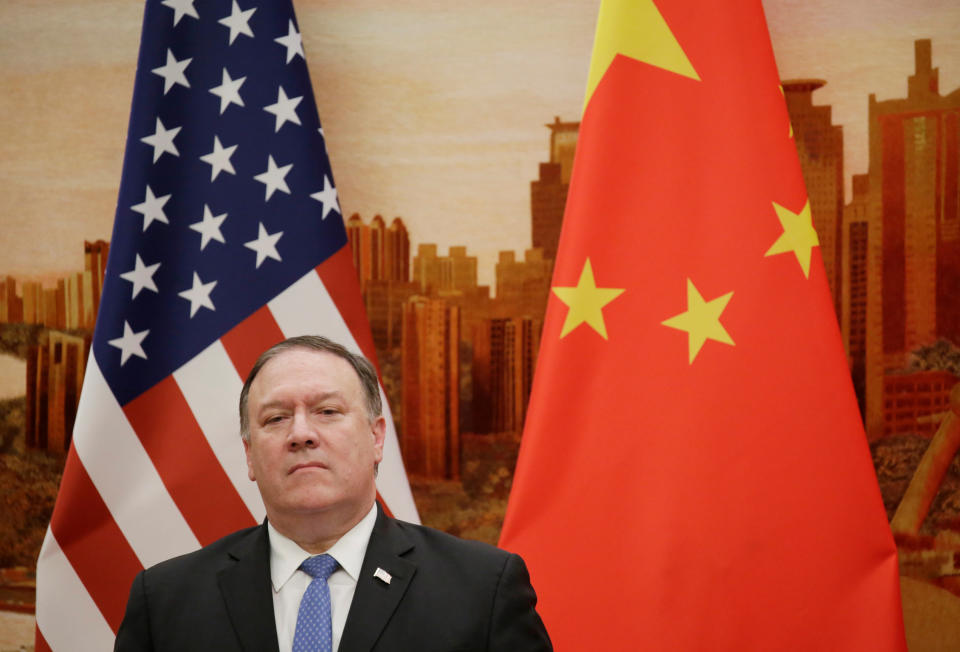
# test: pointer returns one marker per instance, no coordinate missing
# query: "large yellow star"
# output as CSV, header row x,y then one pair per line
x,y
701,320
634,29
586,302
798,235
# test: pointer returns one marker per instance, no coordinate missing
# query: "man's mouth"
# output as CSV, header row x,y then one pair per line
x,y
306,466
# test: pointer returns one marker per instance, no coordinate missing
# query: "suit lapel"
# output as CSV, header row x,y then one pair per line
x,y
375,600
248,595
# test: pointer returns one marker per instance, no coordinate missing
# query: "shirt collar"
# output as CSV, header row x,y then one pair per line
x,y
349,551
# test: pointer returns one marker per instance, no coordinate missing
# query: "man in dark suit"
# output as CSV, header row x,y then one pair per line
x,y
313,433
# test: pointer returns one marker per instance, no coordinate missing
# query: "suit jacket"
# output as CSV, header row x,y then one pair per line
x,y
445,595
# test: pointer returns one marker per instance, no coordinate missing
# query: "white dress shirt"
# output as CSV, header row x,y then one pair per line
x,y
290,583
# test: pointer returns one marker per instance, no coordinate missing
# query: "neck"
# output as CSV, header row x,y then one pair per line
x,y
315,533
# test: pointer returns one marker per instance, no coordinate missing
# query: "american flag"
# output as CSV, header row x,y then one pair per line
x,y
228,237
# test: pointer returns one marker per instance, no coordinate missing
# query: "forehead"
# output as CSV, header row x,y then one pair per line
x,y
307,369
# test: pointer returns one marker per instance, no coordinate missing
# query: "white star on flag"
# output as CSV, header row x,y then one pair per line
x,y
219,159
265,245
198,295
141,276
274,177
238,21
181,8
129,343
152,209
162,141
327,197
292,42
209,227
228,91
173,72
284,108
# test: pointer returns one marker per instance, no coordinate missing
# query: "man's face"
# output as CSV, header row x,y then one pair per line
x,y
312,446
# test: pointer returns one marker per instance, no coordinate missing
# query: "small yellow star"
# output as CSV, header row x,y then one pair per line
x,y
586,302
798,235
701,320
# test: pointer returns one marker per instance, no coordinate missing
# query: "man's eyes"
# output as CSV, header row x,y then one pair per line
x,y
322,411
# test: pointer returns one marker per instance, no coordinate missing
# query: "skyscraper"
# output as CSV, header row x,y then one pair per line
x,y
820,147
438,274
523,286
430,437
914,226
380,253
548,194
55,369
381,256
11,306
853,313
504,358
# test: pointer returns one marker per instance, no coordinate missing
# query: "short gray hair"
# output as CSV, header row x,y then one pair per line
x,y
365,372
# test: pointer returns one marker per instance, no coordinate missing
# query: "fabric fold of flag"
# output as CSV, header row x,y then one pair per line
x,y
228,237
693,440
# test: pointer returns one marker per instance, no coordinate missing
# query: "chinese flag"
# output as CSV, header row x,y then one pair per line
x,y
694,474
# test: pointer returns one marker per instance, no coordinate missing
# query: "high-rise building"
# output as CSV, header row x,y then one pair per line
x,y
396,263
11,306
380,253
504,359
55,369
523,286
853,312
381,256
32,302
384,301
430,361
438,274
548,194
72,304
95,262
914,227
820,148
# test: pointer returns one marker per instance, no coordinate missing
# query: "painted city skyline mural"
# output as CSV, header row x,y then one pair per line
x,y
456,322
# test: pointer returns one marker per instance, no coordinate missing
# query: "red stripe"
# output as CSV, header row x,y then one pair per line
x,y
340,278
251,337
40,643
186,463
92,542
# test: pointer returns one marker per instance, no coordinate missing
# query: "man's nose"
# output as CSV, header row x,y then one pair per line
x,y
302,434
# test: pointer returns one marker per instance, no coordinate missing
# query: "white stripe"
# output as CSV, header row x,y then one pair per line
x,y
305,308
125,476
392,478
67,616
211,386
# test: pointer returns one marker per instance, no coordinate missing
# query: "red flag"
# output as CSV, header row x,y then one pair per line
x,y
694,473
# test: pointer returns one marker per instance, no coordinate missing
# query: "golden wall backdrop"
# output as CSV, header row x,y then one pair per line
x,y
444,116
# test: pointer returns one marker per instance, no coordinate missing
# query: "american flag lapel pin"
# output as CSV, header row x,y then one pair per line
x,y
382,575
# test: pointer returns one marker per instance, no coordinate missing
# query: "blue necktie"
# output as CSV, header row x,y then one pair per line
x,y
314,631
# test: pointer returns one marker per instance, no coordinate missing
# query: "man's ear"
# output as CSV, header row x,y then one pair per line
x,y
246,451
379,431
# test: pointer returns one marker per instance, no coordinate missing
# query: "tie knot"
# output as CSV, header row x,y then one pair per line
x,y
320,566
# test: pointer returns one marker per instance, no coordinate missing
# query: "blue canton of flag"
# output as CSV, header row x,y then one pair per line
x,y
228,237
226,187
